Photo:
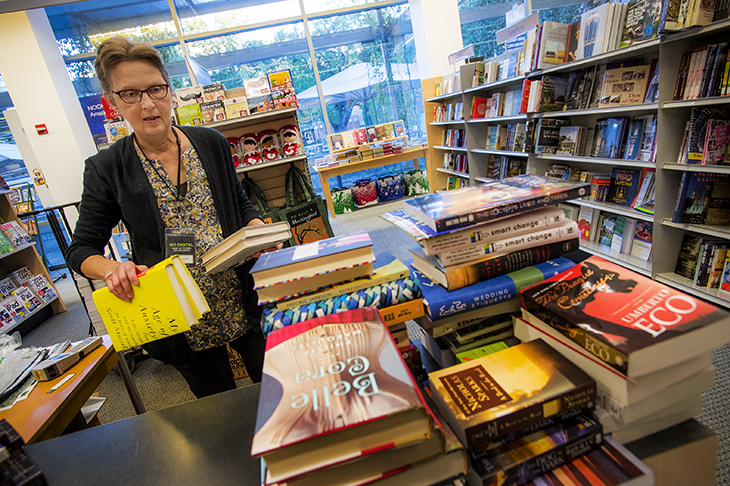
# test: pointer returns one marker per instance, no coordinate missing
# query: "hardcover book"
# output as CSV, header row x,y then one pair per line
x,y
624,86
624,185
386,268
507,391
320,406
491,201
552,96
698,120
455,277
642,21
716,140
553,43
609,137
243,244
634,323
593,26
694,197
688,255
306,268
585,222
517,461
441,303
166,302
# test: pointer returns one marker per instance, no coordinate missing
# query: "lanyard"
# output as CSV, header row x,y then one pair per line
x,y
176,190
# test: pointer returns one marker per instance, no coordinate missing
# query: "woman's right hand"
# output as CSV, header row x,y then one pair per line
x,y
121,280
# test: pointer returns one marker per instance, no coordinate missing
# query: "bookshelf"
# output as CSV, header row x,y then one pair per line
x,y
26,256
269,175
671,117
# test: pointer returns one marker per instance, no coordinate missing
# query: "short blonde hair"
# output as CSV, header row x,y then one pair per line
x,y
116,50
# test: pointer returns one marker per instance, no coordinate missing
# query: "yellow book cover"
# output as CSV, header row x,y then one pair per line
x,y
166,302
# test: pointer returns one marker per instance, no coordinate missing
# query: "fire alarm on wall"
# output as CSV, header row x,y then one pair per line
x,y
41,129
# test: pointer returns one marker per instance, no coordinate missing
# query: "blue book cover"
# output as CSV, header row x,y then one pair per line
x,y
694,197
440,303
609,137
311,251
633,139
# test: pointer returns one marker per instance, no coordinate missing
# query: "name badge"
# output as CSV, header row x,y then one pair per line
x,y
182,243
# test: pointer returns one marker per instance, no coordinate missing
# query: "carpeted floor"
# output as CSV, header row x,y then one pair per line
x,y
160,386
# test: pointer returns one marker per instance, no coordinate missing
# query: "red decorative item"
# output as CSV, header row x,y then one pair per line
x,y
269,143
110,112
291,144
365,192
235,150
250,147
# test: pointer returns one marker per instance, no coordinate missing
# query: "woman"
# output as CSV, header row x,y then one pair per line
x,y
168,182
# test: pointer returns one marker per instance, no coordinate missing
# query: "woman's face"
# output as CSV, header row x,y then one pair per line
x,y
150,119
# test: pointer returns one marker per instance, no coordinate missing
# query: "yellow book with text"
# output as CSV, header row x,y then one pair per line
x,y
166,302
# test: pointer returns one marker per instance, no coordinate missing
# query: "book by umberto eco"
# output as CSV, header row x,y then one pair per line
x,y
491,201
634,323
333,389
507,391
441,303
167,301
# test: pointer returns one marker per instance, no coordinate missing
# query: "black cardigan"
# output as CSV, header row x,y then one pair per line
x,y
116,188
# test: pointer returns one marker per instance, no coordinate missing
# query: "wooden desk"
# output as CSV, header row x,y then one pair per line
x,y
326,172
44,415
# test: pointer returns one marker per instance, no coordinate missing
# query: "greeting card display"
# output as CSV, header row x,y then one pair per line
x,y
250,147
291,144
269,143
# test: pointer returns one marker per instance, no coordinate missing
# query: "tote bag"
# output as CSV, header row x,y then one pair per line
x,y
308,219
268,214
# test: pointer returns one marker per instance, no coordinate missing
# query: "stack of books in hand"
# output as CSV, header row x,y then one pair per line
x,y
333,275
243,244
647,345
338,406
478,246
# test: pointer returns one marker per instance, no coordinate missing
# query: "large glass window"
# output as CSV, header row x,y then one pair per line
x,y
198,16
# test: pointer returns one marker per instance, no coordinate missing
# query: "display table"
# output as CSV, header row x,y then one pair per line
x,y
204,441
326,172
44,415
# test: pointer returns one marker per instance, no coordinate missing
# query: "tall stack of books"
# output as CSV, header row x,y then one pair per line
x,y
647,345
333,275
478,246
338,404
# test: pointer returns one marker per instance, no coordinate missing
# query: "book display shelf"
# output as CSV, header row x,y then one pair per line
x,y
268,175
26,256
671,117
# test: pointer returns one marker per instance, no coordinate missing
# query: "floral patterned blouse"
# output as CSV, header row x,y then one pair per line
x,y
196,213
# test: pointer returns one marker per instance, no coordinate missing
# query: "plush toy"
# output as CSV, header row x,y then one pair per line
x,y
291,145
268,141
250,145
235,152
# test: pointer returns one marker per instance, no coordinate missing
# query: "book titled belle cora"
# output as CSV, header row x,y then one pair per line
x,y
447,211
505,392
631,322
334,389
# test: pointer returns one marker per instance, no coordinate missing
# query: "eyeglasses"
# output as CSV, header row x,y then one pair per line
x,y
132,96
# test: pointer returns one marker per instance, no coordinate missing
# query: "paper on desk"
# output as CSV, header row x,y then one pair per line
x,y
20,394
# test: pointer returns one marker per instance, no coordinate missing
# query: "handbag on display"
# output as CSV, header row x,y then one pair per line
x,y
365,192
308,219
390,187
258,198
342,200
415,182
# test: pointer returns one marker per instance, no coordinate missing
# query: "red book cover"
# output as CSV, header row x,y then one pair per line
x,y
525,96
634,323
333,389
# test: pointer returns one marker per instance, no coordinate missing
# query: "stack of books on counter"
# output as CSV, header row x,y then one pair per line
x,y
478,246
648,346
526,411
335,275
361,420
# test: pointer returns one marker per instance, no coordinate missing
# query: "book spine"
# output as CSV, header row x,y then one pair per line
x,y
501,247
583,397
533,220
607,353
400,313
505,210
542,461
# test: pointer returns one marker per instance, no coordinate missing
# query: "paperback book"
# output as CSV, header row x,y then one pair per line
x,y
488,398
634,323
470,205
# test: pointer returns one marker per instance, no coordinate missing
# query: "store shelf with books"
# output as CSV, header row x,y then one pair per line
x,y
631,262
446,123
686,104
465,175
515,80
612,110
595,160
454,149
26,324
443,97
615,209
498,119
506,153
